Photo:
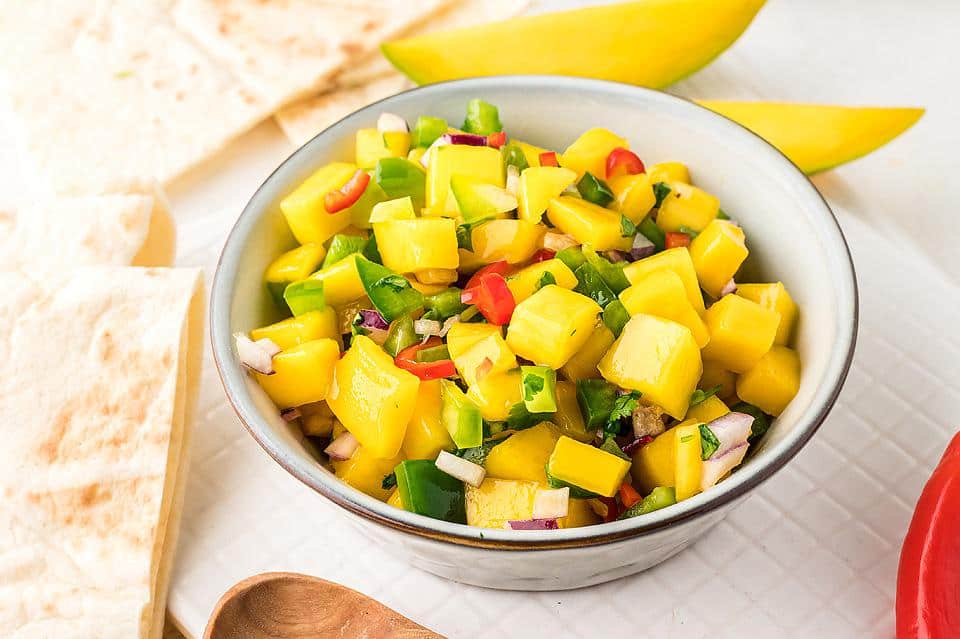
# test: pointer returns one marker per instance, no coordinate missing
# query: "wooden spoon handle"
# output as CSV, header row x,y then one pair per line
x,y
292,606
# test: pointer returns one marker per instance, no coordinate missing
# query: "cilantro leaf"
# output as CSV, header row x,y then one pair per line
x,y
708,442
700,396
465,237
532,384
546,279
627,228
520,418
389,481
660,191
624,406
396,283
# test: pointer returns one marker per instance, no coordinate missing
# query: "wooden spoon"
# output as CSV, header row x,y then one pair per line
x,y
285,605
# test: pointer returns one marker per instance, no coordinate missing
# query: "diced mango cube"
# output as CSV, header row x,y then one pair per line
x,y
669,172
708,410
373,397
497,501
717,254
526,281
394,499
341,282
317,420
589,152
496,393
493,348
633,196
530,152
415,245
400,208
674,459
579,513
716,375
587,467
772,382
741,332
302,373
568,417
539,185
481,162
365,472
551,325
512,240
524,455
300,329
676,260
662,294
372,145
296,264
463,335
775,297
426,436
583,363
657,357
688,206
588,223
304,210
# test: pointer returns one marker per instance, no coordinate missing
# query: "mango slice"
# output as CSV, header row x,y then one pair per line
x,y
819,137
673,38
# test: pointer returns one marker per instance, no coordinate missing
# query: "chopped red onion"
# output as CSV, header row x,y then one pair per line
x,y
716,467
533,524
558,241
468,139
373,319
729,288
427,327
256,356
460,468
343,447
617,256
484,368
513,180
636,444
731,430
290,414
642,247
268,345
388,122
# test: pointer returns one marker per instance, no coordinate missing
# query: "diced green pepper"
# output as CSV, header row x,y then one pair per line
x,y
444,304
612,273
513,155
649,229
611,446
760,421
539,387
595,190
460,416
400,335
433,354
660,191
427,490
341,246
392,294
371,251
591,284
304,296
573,257
427,130
546,280
708,442
596,398
482,118
659,497
615,316
399,177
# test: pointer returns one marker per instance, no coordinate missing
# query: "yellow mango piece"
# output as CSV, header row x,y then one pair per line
x,y
772,382
662,294
587,467
579,513
512,240
716,375
688,206
669,172
492,348
297,330
372,397
303,208
416,245
588,223
530,152
394,499
539,185
672,38
481,162
426,289
708,410
524,454
463,335
524,282
302,374
673,458
633,196
568,417
497,501
676,260
317,419
819,137
741,332
295,264
717,254
365,472
583,363
341,282
657,357
588,153
774,297
372,145
551,325
398,209
496,393
426,436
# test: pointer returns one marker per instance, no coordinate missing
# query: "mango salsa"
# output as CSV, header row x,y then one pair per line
x,y
708,410
539,185
512,240
633,195
341,282
551,325
741,332
672,459
496,393
568,417
302,373
669,172
772,382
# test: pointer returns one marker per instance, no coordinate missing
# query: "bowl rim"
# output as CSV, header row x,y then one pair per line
x,y
731,490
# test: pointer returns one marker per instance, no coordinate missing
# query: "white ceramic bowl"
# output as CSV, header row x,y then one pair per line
x,y
792,236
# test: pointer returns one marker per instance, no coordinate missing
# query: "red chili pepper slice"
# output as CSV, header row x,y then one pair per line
x,y
501,268
622,161
496,140
673,240
549,159
348,194
492,297
407,360
543,255
928,581
628,495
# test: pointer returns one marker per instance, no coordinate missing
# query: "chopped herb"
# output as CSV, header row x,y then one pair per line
x,y
465,237
395,283
478,454
700,396
760,421
546,279
660,191
610,445
389,481
355,326
624,405
520,418
708,442
627,228
531,386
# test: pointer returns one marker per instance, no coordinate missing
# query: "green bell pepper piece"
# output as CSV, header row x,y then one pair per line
x,y
596,398
400,335
539,387
612,273
573,257
460,416
390,293
591,284
371,251
649,229
594,190
304,296
659,497
482,118
444,304
615,316
722,215
427,490
660,191
433,354
427,130
399,177
341,246
513,155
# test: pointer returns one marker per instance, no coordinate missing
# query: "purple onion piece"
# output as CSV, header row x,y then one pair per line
x,y
636,445
373,319
617,256
642,247
729,288
534,524
731,430
290,414
468,139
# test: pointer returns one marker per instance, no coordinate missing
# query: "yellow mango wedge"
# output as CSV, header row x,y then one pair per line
x,y
651,43
819,137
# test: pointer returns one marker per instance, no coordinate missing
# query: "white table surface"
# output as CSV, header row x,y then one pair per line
x,y
813,554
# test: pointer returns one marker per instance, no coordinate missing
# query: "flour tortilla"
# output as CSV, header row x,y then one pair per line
x,y
58,233
374,78
99,373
